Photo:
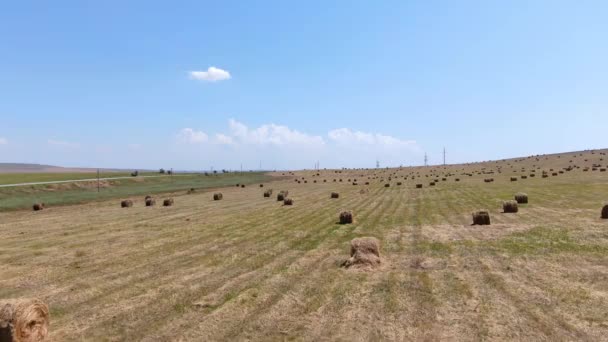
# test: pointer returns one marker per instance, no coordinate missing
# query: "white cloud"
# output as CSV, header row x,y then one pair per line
x,y
3,141
223,139
346,136
271,134
64,144
190,136
211,75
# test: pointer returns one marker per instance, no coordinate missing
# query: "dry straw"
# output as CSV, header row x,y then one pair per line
x,y
346,217
510,206
481,217
25,319
521,198
364,252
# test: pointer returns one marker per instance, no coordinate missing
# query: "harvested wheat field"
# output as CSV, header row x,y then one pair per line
x,y
249,268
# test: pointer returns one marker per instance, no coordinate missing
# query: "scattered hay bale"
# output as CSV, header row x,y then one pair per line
x,y
242,185
261,185
605,212
481,217
364,252
457,179
288,201
513,179
238,185
399,183
432,183
38,206
24,320
168,202
521,198
150,202
510,206
218,196
268,193
387,185
346,217
282,195
418,186
545,175
191,191
554,174
334,195
126,204
524,177
147,198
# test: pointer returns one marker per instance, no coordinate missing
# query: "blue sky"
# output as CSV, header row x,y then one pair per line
x,y
110,83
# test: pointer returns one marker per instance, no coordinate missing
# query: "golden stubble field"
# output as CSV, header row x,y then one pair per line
x,y
249,268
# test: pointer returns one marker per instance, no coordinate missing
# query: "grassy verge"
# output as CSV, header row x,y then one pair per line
x,y
18,178
72,193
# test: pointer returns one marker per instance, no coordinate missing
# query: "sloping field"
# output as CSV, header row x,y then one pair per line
x,y
248,268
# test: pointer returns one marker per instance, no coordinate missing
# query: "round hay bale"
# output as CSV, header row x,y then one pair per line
x,y
126,204
38,206
268,193
513,179
191,191
346,217
418,186
399,183
334,195
218,196
261,185
387,185
510,206
605,211
24,320
168,202
364,252
282,195
288,201
242,185
521,198
457,179
481,217
237,185
432,183
150,202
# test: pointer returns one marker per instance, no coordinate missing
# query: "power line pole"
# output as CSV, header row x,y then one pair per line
x,y
97,180
425,160
444,156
